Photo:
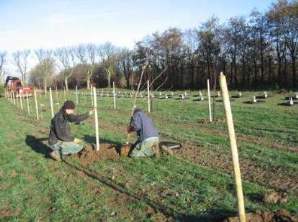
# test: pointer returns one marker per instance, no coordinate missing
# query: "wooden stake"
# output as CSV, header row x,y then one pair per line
x,y
28,104
96,119
14,98
57,96
21,101
114,95
77,96
51,103
36,105
233,144
64,94
91,93
209,101
148,97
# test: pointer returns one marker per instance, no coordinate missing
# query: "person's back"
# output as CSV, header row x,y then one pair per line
x,y
143,125
59,129
148,138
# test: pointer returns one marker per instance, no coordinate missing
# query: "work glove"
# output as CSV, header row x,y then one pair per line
x,y
130,129
91,112
78,141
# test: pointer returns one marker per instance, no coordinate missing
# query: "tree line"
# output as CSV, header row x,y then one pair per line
x,y
257,51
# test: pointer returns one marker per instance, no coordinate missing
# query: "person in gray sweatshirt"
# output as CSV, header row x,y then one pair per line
x,y
147,143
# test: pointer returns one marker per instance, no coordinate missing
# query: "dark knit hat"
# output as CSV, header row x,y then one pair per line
x,y
68,105
136,110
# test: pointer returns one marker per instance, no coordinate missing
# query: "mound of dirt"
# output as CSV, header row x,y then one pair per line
x,y
125,149
275,197
106,152
207,121
278,216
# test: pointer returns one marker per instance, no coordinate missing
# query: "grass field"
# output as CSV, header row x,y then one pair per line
x,y
196,184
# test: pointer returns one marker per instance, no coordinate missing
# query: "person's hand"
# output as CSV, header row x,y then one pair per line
x,y
76,140
91,111
130,129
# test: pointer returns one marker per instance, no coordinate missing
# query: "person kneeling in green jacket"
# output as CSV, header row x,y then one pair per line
x,y
60,139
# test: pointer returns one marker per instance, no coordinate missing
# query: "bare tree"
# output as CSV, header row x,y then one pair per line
x,y
91,56
82,55
3,56
107,53
125,62
21,61
209,47
45,58
66,57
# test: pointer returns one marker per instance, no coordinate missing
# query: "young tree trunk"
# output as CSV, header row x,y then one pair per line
x,y
45,85
66,82
285,71
262,62
293,57
270,71
88,83
235,73
109,78
255,72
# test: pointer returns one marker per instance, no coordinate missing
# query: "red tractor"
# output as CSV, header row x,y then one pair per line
x,y
14,84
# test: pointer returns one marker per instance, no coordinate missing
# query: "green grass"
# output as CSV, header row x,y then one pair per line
x,y
35,188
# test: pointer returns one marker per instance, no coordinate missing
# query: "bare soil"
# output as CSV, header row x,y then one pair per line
x,y
276,177
106,152
7,212
278,216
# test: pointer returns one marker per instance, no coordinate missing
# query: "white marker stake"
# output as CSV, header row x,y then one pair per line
x,y
28,104
233,143
56,92
114,95
14,98
36,105
91,93
21,101
77,96
209,100
148,97
64,94
96,119
51,103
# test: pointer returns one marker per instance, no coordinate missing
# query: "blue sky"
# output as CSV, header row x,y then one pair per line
x,y
53,23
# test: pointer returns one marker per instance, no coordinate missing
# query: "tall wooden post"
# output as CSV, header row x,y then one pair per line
x,y
21,100
57,96
64,94
77,96
11,98
28,104
114,95
148,97
51,103
96,119
14,98
233,144
36,105
91,95
209,101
